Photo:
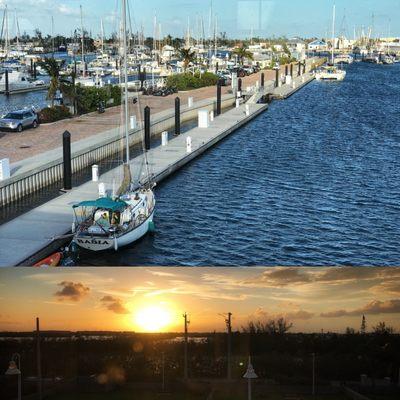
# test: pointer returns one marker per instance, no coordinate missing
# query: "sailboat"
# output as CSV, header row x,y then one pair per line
x,y
119,219
331,72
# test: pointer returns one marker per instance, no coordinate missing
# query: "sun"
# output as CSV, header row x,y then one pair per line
x,y
154,318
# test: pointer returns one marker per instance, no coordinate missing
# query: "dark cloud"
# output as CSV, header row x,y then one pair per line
x,y
72,291
280,277
299,314
114,304
373,308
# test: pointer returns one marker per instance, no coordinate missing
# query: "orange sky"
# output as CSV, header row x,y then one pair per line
x,y
154,299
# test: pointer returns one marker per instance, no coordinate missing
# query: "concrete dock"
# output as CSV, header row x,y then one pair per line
x,y
33,232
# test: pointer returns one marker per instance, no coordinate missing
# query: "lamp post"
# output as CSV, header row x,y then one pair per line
x,y
249,375
15,369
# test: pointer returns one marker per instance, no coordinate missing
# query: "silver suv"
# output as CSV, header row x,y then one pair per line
x,y
18,120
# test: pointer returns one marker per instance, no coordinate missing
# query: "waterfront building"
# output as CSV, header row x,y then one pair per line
x,y
318,45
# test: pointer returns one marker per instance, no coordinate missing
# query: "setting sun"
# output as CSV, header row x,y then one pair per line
x,y
153,318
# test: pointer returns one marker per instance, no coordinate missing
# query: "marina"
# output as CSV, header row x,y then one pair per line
x,y
166,161
105,97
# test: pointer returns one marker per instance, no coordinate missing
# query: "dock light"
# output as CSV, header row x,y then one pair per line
x,y
15,369
249,375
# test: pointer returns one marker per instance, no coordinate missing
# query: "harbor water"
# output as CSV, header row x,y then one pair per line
x,y
312,181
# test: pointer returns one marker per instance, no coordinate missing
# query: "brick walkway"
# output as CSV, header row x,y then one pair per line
x,y
46,137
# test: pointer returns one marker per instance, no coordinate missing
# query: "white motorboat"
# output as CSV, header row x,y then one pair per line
x,y
118,218
330,73
18,81
344,59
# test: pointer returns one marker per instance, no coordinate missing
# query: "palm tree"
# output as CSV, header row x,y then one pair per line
x,y
243,53
53,69
187,57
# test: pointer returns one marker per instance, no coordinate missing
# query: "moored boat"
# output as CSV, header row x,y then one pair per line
x,y
117,218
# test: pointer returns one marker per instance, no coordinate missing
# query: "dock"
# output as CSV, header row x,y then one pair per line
x,y
31,235
27,90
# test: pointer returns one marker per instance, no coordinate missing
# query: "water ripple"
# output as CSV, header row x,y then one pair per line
x,y
313,181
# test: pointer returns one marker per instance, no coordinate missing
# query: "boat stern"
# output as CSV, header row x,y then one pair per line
x,y
95,244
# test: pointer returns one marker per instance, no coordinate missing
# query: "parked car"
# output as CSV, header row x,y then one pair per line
x,y
19,120
225,77
241,73
248,70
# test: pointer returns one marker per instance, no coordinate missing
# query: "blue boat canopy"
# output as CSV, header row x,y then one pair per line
x,y
104,202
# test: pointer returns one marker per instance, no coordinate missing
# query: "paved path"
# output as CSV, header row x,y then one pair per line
x,y
46,137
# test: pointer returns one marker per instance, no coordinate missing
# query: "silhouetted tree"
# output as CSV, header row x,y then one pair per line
x,y
383,329
272,327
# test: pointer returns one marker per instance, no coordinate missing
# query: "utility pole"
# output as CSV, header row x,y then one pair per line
x,y
313,374
163,371
38,360
228,321
185,365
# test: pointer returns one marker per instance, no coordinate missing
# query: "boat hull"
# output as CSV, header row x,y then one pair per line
x,y
97,243
330,77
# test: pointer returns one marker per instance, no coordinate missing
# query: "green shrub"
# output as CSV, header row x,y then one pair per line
x,y
52,114
88,98
188,81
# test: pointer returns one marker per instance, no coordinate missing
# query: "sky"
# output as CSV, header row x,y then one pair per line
x,y
154,299
304,18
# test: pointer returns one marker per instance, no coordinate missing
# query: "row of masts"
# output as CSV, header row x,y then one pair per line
x,y
5,30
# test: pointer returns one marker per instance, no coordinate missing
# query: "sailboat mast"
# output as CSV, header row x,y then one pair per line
x,y
83,45
52,35
124,53
102,36
7,36
333,34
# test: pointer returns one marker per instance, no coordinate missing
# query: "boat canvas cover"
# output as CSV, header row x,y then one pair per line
x,y
104,202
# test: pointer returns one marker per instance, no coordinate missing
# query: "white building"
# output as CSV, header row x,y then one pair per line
x,y
297,49
318,45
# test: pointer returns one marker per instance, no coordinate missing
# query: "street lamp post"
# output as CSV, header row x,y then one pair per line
x,y
15,369
249,375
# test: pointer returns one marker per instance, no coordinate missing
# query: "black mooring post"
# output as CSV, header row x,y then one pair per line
x,y
147,128
239,84
276,77
219,98
7,86
262,79
67,160
142,78
286,70
291,70
177,116
299,69
34,71
304,67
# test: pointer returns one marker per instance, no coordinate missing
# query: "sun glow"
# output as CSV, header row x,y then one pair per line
x,y
154,318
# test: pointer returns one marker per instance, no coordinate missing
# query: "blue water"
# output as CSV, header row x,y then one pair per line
x,y
313,181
